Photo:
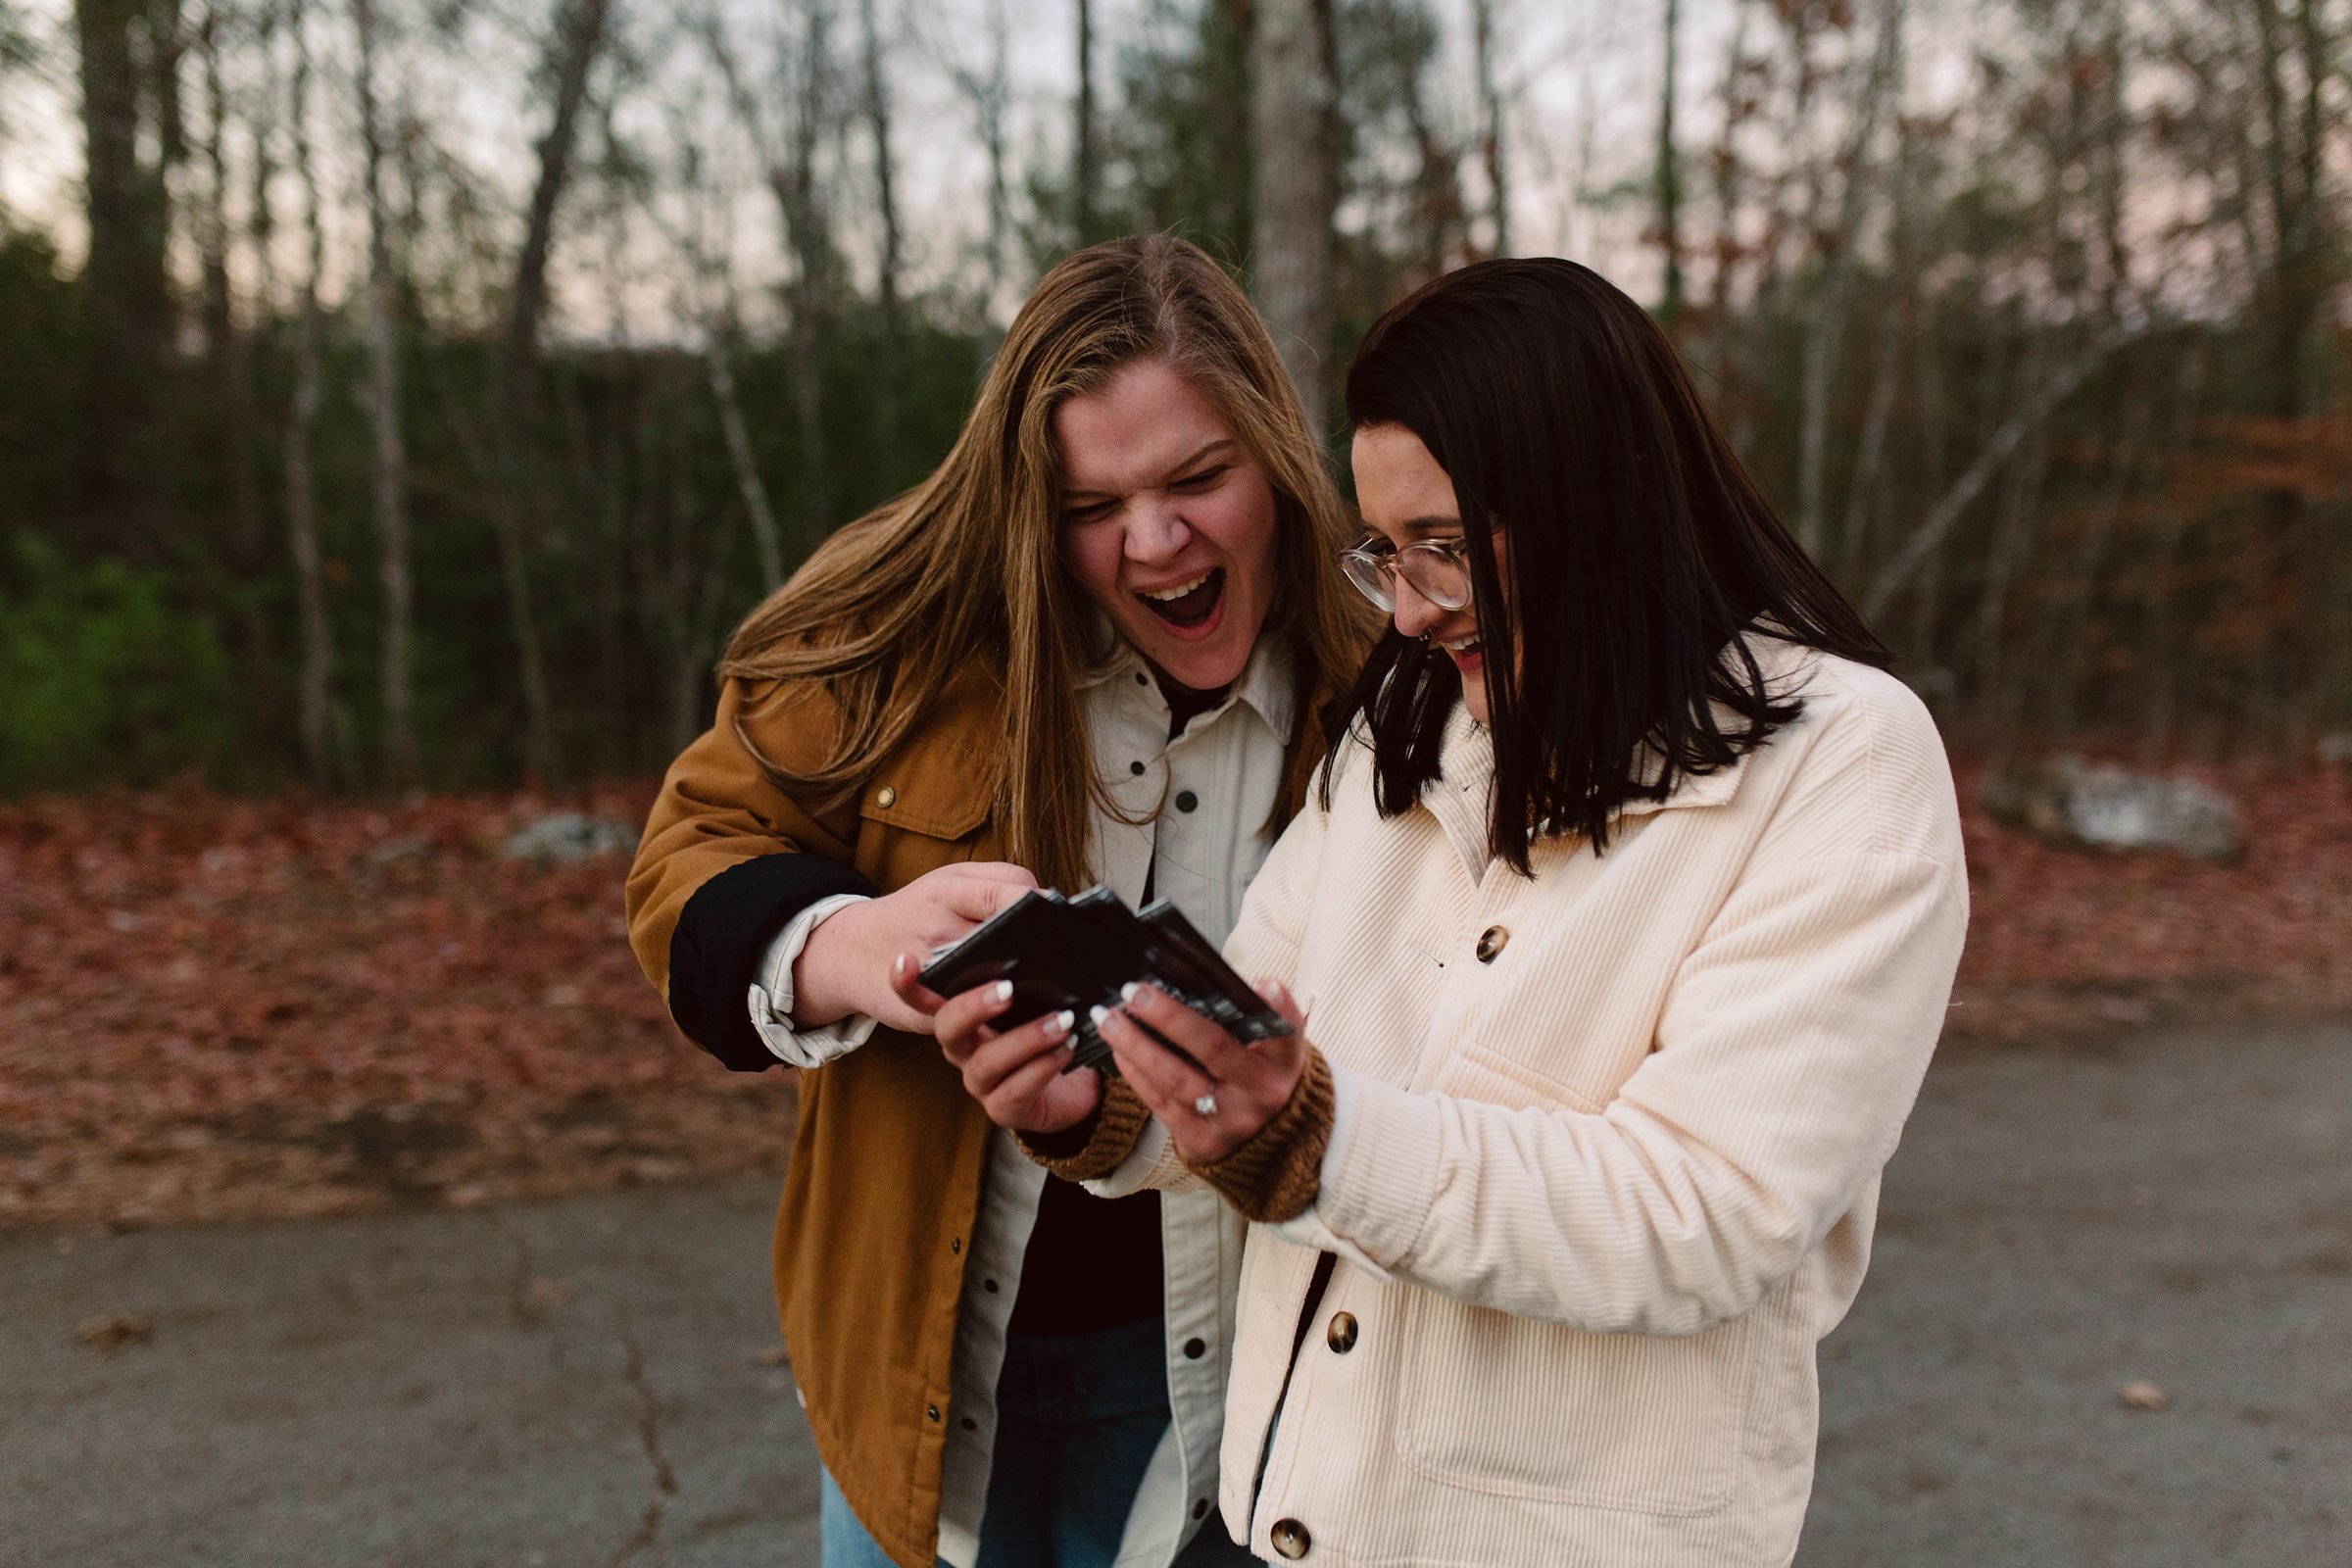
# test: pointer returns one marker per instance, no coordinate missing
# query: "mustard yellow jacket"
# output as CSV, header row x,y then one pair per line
x,y
884,1181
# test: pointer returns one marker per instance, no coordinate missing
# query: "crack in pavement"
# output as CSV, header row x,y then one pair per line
x,y
648,1438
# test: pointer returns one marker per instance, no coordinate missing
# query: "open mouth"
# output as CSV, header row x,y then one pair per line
x,y
1467,653
1187,604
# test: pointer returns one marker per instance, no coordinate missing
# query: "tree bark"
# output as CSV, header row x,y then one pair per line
x,y
890,389
1669,174
1082,151
389,475
1823,342
1926,539
1492,146
573,44
129,63
807,227
1293,105
314,699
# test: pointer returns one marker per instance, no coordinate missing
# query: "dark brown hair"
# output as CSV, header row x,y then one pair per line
x,y
1639,553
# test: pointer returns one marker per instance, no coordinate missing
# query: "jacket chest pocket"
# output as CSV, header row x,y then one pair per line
x,y
916,824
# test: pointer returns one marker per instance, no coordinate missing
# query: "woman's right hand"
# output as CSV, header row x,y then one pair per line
x,y
846,966
1017,1075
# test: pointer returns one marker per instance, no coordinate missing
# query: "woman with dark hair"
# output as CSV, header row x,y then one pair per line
x,y
1622,928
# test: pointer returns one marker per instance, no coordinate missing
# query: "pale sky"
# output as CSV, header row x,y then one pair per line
x,y
1583,74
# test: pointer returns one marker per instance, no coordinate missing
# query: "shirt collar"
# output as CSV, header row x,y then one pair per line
x,y
1265,685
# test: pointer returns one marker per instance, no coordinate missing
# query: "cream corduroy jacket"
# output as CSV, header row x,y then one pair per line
x,y
1607,1150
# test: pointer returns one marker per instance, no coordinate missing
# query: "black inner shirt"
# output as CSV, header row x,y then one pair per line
x,y
1094,1263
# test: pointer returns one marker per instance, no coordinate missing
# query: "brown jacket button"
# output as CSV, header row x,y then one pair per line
x,y
1291,1539
886,795
1491,941
1342,1337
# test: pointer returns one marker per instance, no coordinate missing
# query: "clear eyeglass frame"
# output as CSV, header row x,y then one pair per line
x,y
1438,569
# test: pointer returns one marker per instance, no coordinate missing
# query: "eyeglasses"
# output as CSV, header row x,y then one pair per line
x,y
1437,570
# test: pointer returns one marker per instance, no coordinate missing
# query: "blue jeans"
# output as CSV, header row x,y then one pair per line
x,y
1078,1419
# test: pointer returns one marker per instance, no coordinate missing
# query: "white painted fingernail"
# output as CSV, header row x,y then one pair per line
x,y
1097,1014
1004,991
1064,1021
1127,992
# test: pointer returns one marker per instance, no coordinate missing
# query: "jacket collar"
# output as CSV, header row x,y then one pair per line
x,y
1468,759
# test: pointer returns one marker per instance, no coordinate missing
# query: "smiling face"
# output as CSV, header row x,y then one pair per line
x,y
1167,522
1406,499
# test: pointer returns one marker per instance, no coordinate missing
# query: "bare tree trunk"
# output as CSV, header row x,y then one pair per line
x,y
314,707
1293,105
739,453
1083,172
893,378
2292,297
988,94
572,47
808,226
1828,333
129,57
2066,649
244,542
992,134
791,172
389,480
225,344
1492,145
1929,536
1669,172
1738,110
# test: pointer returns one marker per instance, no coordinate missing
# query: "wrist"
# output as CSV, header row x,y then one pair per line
x,y
1276,1173
823,975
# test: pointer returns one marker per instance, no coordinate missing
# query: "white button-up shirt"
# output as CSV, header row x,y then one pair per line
x,y
1194,821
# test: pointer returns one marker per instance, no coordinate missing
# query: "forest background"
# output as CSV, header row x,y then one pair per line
x,y
400,400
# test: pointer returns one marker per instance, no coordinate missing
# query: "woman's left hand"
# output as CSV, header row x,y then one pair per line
x,y
1243,1085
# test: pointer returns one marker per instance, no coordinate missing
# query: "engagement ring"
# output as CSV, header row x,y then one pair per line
x,y
1206,1105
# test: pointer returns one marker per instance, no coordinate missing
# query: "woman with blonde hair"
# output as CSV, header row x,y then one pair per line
x,y
1090,647
1620,932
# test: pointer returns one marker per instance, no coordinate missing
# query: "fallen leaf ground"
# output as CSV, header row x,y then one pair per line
x,y
219,1009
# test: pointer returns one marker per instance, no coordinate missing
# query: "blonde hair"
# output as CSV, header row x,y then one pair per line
x,y
965,567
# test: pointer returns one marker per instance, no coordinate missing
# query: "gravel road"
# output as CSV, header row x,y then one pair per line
x,y
590,1382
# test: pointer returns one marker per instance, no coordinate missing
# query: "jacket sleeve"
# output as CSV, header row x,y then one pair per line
x,y
727,859
1789,1051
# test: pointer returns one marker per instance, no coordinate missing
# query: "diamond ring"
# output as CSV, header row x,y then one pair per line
x,y
1206,1105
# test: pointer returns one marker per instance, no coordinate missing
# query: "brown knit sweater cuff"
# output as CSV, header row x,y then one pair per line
x,y
1110,1137
1276,1175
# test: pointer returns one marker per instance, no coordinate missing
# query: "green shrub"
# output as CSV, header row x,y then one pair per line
x,y
103,679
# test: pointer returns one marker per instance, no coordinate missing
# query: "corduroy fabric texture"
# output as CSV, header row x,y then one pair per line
x,y
1273,1177
1606,1152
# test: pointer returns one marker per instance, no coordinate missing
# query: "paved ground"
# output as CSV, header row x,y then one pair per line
x,y
581,1382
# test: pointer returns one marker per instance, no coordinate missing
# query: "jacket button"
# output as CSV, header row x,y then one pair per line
x,y
931,1412
1187,801
1491,941
1291,1539
954,1246
886,795
1137,769
1194,1349
1199,1508
1342,1337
